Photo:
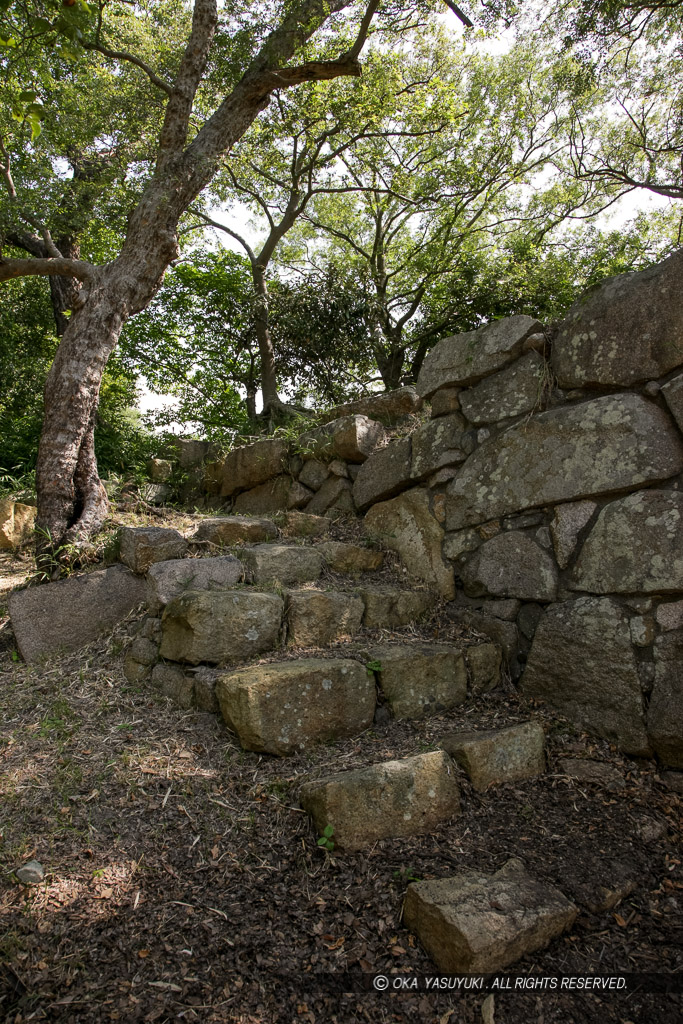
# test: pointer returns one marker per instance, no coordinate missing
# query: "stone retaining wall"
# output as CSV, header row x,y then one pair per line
x,y
543,499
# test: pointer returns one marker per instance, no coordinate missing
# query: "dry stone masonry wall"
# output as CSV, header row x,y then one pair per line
x,y
533,479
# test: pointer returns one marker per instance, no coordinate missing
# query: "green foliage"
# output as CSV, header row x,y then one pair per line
x,y
196,344
326,839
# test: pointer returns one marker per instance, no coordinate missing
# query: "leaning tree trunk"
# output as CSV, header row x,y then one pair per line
x,y
71,499
72,502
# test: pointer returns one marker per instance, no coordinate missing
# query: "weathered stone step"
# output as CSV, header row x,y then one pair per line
x,y
223,626
316,618
167,580
226,531
388,609
284,563
382,801
420,679
284,707
478,923
493,756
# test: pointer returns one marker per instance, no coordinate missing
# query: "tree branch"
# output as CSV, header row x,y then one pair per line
x,y
131,59
9,269
459,14
222,227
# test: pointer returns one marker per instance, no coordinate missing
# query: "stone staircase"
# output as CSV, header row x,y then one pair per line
x,y
296,639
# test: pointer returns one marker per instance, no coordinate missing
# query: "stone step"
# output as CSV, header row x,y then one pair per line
x,y
283,563
284,707
222,626
167,580
493,756
384,801
477,923
316,618
226,531
420,679
388,609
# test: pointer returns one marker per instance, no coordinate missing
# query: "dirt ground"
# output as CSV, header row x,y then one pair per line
x,y
183,881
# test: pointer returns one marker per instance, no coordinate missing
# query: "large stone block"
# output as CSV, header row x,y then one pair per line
x,y
189,452
386,473
567,523
511,565
673,395
494,756
438,443
316,617
624,331
665,714
484,663
286,707
281,492
313,474
286,563
477,923
420,680
349,558
225,531
302,524
159,470
386,609
253,464
582,664
608,444
220,626
407,525
16,524
335,493
352,438
387,408
636,546
142,546
516,390
383,801
466,358
68,614
166,580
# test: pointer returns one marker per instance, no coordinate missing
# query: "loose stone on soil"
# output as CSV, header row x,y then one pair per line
x,y
391,799
477,923
31,873
499,755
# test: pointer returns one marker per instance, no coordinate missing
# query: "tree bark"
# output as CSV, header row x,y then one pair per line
x,y
271,399
71,500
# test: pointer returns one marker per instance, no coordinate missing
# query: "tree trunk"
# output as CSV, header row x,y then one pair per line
x,y
71,499
271,399
390,366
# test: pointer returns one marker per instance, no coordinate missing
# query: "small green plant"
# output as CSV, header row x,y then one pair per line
x,y
326,841
406,876
373,666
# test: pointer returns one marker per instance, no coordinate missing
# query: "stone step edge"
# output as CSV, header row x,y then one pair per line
x,y
194,685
